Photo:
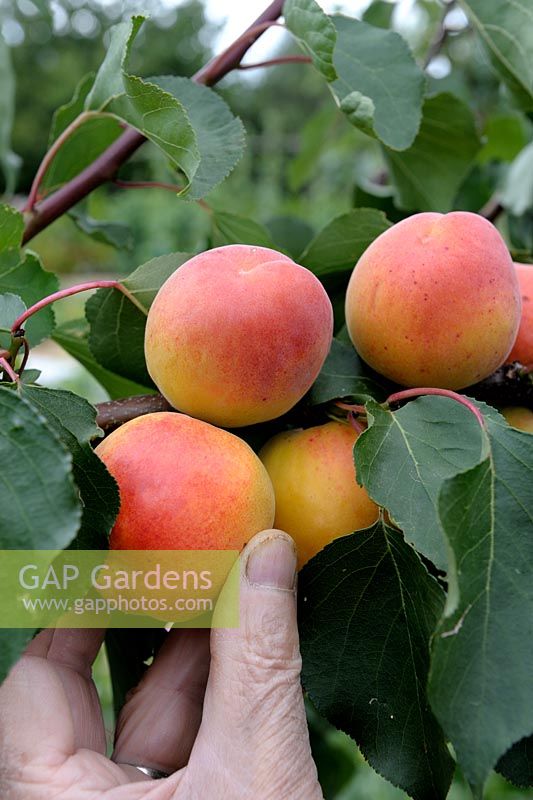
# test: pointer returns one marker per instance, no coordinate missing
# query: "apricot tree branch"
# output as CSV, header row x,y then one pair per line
x,y
106,166
492,209
273,62
113,413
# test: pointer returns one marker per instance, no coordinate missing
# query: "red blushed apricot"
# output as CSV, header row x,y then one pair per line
x,y
185,485
434,301
317,496
523,347
237,335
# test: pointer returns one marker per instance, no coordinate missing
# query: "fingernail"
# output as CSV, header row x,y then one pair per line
x,y
272,563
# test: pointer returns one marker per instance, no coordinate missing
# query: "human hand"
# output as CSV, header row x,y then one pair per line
x,y
223,713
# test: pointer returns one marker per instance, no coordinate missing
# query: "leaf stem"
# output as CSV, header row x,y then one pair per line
x,y
171,187
8,370
106,166
33,196
17,326
407,394
358,409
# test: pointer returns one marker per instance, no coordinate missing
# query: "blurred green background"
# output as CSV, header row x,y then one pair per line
x,y
303,159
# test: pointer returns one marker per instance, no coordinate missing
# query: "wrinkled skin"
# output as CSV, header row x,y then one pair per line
x,y
230,724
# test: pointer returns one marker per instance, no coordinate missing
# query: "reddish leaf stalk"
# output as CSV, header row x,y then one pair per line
x,y
8,370
72,290
355,423
357,409
407,394
170,187
106,166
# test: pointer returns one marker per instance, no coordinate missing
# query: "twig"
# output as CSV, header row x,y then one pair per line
x,y
273,62
511,385
114,413
51,154
106,166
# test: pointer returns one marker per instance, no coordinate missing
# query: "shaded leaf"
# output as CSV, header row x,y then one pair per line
x,y
344,375
505,136
31,282
517,763
315,31
73,337
428,175
116,234
234,229
380,87
506,29
9,161
290,234
517,194
367,610
145,282
338,246
39,502
74,421
480,682
404,458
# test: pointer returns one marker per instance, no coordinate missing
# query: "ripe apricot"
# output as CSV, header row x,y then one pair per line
x,y
434,301
518,417
185,485
317,496
237,335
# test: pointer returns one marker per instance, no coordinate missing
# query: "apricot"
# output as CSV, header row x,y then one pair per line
x,y
518,417
523,347
185,485
434,301
317,496
237,335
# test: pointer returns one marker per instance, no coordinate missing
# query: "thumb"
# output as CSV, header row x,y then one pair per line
x,y
254,730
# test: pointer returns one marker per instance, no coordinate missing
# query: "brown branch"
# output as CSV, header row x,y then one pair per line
x,y
114,413
106,166
273,62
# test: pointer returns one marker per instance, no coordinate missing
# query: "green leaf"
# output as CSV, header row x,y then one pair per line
x,y
67,113
379,13
13,642
29,280
39,502
220,134
73,337
11,228
505,135
117,325
315,31
145,282
480,682
379,86
302,167
9,161
290,234
115,234
154,112
234,229
517,764
367,611
333,753
428,175
11,307
338,246
404,457
128,650
344,375
82,147
506,29
73,419
116,339
517,194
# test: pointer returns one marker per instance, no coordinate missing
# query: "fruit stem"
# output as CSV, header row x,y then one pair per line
x,y
407,394
16,328
8,369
